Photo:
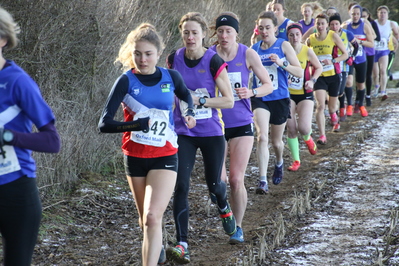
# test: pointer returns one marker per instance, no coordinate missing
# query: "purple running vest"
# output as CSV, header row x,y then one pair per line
x,y
240,114
200,82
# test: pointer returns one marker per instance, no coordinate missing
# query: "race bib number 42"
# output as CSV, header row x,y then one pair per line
x,y
159,131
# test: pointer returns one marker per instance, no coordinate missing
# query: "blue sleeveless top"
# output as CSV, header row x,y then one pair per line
x,y
278,75
359,34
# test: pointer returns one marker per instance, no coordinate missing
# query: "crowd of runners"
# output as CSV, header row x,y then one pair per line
x,y
292,72
209,98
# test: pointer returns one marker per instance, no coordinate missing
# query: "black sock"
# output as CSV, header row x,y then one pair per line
x,y
360,96
348,93
341,101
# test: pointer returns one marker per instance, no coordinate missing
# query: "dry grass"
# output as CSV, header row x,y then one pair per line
x,y
69,47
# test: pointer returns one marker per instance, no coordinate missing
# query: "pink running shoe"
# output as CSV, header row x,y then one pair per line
x,y
322,140
295,166
312,147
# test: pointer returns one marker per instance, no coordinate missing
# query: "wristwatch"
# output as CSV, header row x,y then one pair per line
x,y
333,61
314,80
8,136
202,101
285,63
255,92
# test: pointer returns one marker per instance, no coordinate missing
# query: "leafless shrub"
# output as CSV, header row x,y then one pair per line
x,y
69,48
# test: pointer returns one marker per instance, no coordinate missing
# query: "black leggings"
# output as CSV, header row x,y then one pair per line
x,y
20,215
369,73
212,149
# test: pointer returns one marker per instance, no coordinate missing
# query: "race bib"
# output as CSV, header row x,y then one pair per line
x,y
201,112
360,51
235,82
159,131
272,74
295,83
382,44
8,160
326,67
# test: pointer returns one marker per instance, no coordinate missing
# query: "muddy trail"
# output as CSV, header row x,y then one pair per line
x,y
340,208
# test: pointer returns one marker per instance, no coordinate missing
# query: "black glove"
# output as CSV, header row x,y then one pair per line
x,y
144,124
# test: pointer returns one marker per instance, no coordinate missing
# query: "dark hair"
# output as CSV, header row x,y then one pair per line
x,y
294,26
370,18
281,2
322,16
269,15
352,4
335,16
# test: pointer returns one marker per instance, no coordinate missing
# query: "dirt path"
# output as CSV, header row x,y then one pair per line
x,y
335,210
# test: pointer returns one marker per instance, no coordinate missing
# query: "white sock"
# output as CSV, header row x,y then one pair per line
x,y
184,244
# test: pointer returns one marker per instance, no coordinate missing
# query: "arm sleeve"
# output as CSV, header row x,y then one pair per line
x,y
217,65
376,30
46,140
351,39
170,60
107,124
181,90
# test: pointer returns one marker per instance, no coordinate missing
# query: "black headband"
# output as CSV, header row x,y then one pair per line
x,y
226,20
294,26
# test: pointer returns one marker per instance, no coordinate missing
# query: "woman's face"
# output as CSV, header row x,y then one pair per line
x,y
267,30
335,25
294,36
192,35
321,24
382,14
355,14
226,35
145,57
365,15
307,12
278,10
331,12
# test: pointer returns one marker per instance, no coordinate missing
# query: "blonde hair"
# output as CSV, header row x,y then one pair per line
x,y
144,32
315,6
8,29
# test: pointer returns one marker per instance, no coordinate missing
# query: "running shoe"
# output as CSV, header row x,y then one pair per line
x,y
162,256
349,110
322,140
334,119
357,109
342,114
368,101
262,188
178,254
238,237
312,147
363,111
336,127
295,166
376,92
228,220
278,174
